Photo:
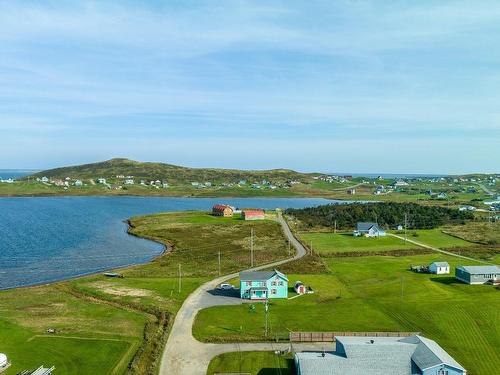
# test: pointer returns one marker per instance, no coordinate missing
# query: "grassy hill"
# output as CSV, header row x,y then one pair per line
x,y
172,173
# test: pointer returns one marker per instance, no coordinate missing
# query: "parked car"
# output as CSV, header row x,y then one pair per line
x,y
226,286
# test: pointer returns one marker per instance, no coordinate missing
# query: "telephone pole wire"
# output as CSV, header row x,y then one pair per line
x,y
251,247
180,278
219,263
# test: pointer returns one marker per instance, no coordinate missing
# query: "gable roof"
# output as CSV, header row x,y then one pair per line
x,y
385,356
221,207
377,356
260,275
253,212
367,226
440,264
480,270
429,354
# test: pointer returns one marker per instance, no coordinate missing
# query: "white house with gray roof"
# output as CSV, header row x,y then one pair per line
x,y
439,268
368,230
380,356
478,274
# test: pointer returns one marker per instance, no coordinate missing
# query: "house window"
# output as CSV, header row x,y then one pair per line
x,y
280,283
273,283
274,291
263,283
249,283
443,372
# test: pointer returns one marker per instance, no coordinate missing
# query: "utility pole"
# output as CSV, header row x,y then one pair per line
x,y
406,220
219,263
402,287
266,308
180,278
251,247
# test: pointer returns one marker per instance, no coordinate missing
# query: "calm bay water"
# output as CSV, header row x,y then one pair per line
x,y
15,173
54,238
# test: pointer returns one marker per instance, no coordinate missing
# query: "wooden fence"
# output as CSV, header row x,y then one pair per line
x,y
330,336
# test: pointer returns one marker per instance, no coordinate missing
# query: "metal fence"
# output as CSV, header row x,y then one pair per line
x,y
330,336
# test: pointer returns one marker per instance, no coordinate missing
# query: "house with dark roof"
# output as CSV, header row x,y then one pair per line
x,y
478,274
368,230
261,285
222,210
380,356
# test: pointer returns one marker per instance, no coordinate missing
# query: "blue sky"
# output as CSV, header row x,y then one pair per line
x,y
354,86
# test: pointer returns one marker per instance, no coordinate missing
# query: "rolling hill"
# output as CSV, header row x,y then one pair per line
x,y
172,173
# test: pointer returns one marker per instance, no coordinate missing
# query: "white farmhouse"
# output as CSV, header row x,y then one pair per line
x,y
439,268
368,230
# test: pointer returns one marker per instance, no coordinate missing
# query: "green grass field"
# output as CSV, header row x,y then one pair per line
x,y
436,238
324,243
376,294
197,238
255,363
101,322
90,337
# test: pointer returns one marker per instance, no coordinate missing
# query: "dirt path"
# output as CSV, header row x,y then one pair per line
x,y
184,354
436,249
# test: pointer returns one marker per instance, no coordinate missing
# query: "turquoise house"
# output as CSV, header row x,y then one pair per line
x,y
261,285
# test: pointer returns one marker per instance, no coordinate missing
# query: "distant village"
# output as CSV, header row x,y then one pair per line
x,y
432,188
122,181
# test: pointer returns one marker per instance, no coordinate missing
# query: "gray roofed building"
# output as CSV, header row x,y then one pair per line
x,y
478,274
479,270
260,275
441,264
378,356
365,226
368,230
429,354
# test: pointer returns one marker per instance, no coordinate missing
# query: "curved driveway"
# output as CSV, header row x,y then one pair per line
x,y
184,354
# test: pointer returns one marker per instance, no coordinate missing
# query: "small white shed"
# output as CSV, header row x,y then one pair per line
x,y
4,361
439,268
300,288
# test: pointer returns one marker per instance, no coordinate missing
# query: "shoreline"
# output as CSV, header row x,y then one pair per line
x,y
47,195
167,248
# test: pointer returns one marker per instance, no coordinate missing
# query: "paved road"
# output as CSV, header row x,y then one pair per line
x,y
183,354
486,190
436,249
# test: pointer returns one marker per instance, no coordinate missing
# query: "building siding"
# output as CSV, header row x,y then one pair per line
x,y
443,369
277,287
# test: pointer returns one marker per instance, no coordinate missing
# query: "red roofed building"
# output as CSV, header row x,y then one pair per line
x,y
222,210
253,215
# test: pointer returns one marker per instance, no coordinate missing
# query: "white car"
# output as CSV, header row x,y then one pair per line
x,y
226,286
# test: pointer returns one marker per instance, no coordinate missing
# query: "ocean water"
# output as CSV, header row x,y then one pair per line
x,y
44,239
15,173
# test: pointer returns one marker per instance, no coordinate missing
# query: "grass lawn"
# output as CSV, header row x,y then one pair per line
x,y
324,243
102,323
90,337
255,363
436,238
377,294
197,238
